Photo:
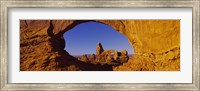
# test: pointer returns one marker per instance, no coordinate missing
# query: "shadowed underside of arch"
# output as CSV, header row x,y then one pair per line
x,y
156,45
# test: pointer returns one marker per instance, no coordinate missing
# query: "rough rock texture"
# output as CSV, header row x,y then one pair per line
x,y
92,57
124,53
84,58
99,49
106,57
156,45
112,57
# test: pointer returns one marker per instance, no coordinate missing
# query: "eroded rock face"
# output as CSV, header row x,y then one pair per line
x,y
112,57
106,56
84,58
156,44
99,49
92,57
124,53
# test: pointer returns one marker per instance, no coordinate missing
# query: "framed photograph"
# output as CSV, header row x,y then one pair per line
x,y
99,45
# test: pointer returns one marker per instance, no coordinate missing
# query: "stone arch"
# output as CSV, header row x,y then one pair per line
x,y
97,23
60,30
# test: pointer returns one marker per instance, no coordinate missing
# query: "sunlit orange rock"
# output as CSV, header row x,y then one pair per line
x,y
99,49
84,58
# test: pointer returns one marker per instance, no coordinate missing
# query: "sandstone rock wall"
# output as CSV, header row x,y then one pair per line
x,y
156,44
99,49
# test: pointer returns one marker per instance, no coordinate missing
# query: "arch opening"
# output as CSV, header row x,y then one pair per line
x,y
83,40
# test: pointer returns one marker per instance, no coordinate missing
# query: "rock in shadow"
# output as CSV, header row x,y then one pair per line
x,y
67,60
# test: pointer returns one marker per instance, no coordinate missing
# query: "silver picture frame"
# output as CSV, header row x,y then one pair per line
x,y
6,4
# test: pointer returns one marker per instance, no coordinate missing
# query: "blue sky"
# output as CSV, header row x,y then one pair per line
x,y
83,39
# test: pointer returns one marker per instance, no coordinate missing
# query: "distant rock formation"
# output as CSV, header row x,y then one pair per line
x,y
123,57
99,49
107,56
124,53
84,58
92,57
110,56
